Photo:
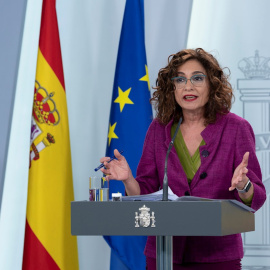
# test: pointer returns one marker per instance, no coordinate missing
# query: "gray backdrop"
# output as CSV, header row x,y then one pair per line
x,y
12,14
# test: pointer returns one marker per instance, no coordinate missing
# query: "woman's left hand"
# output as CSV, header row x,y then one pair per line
x,y
240,178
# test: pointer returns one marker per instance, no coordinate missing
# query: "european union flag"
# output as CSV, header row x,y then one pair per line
x,y
131,114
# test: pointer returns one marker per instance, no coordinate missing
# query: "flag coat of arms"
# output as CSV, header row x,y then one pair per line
x,y
48,241
131,114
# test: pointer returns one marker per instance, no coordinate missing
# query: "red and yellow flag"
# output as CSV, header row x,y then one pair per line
x,y
48,241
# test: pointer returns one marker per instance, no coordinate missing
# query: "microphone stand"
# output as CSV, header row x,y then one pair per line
x,y
165,179
164,243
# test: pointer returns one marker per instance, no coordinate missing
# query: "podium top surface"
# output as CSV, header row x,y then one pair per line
x,y
199,218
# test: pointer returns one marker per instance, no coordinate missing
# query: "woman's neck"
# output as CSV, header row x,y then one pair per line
x,y
191,119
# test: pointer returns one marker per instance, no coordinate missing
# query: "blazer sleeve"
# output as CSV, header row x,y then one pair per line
x,y
245,142
147,174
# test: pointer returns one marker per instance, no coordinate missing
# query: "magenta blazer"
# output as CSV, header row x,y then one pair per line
x,y
226,142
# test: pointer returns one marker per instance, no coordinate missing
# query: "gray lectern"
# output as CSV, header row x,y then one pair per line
x,y
162,219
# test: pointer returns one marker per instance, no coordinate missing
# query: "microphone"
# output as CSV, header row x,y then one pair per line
x,y
165,179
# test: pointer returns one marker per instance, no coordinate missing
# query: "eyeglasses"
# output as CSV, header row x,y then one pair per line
x,y
196,80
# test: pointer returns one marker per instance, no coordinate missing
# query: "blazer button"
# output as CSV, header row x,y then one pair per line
x,y
187,193
205,153
203,175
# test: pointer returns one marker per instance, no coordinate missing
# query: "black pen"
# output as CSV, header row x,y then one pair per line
x,y
111,159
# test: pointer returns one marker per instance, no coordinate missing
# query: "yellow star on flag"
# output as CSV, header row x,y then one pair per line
x,y
123,98
146,77
111,134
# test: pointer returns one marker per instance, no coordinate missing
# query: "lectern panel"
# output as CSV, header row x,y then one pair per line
x,y
198,218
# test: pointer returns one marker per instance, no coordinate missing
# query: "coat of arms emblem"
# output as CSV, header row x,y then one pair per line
x,y
144,219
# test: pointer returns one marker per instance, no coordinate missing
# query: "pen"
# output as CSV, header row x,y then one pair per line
x,y
111,159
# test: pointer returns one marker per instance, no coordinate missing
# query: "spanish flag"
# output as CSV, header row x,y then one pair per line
x,y
48,241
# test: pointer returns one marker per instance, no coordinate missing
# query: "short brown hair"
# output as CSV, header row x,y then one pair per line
x,y
220,92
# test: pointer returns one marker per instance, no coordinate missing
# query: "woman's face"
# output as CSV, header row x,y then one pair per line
x,y
192,98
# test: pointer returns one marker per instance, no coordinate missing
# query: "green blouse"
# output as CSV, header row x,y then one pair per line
x,y
189,163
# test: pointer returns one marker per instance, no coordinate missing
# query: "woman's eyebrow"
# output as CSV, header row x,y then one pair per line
x,y
194,72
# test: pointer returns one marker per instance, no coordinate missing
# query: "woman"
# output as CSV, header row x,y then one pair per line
x,y
213,155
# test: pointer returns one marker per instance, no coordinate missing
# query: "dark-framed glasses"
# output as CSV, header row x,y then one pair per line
x,y
196,80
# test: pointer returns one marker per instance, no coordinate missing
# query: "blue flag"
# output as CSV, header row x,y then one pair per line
x,y
131,114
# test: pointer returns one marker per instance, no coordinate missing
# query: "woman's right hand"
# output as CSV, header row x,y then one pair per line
x,y
117,169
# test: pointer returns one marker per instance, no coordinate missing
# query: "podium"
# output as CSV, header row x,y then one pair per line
x,y
162,219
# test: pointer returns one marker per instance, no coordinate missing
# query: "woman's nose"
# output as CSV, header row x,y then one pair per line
x,y
188,85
